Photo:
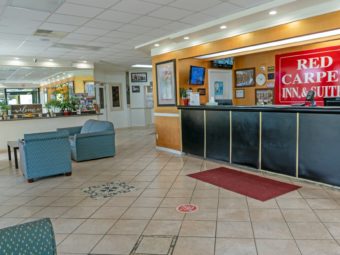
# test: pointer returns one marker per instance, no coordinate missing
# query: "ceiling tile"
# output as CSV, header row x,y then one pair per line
x,y
249,3
134,29
102,24
197,19
81,37
135,6
20,13
106,39
117,16
164,2
176,26
38,5
150,21
67,19
58,27
171,13
91,31
194,5
95,3
119,34
222,10
79,10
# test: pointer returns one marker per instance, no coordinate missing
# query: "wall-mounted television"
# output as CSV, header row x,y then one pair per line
x,y
197,74
223,63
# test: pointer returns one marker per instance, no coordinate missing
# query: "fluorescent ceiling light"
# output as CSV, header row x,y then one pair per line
x,y
141,66
223,27
156,44
186,38
273,12
274,44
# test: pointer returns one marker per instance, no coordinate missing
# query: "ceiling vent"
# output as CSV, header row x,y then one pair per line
x,y
49,33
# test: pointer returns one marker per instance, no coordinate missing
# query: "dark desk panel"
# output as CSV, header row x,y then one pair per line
x,y
218,135
279,142
193,132
245,138
319,143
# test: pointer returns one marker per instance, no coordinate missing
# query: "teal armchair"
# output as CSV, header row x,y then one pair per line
x,y
35,237
95,139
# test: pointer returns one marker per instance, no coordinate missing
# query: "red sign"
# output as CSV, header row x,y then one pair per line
x,y
299,72
187,208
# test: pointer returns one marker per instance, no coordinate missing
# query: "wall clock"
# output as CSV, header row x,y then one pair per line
x,y
260,79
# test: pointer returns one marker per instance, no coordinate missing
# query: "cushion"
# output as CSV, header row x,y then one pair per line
x,y
91,126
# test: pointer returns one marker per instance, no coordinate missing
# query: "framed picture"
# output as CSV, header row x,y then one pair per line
x,y
139,77
264,96
202,92
89,88
245,77
239,93
166,83
135,89
116,101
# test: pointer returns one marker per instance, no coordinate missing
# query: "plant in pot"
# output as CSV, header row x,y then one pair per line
x,y
53,105
184,96
66,107
3,110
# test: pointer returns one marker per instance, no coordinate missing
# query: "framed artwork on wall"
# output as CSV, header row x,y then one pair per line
x,y
116,98
264,96
239,93
90,89
139,77
135,89
166,83
245,77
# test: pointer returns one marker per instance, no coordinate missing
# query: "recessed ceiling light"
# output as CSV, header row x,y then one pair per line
x,y
51,60
16,58
223,27
142,66
156,44
186,38
84,61
273,12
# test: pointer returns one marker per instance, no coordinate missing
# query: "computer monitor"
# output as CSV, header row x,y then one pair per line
x,y
224,101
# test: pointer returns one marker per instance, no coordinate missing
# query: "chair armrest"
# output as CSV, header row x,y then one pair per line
x,y
94,134
71,130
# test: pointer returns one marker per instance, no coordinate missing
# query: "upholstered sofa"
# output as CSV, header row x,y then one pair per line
x,y
95,139
45,154
36,237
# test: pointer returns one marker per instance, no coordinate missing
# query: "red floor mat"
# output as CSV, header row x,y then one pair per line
x,y
250,185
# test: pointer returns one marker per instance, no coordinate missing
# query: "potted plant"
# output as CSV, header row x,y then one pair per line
x,y
3,110
184,96
53,105
66,107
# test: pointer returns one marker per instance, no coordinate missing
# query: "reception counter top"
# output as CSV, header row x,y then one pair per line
x,y
302,142
46,117
12,130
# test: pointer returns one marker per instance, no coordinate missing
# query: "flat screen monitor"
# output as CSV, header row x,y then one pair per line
x,y
224,101
197,75
331,101
223,63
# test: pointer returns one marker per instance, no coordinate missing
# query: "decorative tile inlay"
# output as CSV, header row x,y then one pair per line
x,y
108,190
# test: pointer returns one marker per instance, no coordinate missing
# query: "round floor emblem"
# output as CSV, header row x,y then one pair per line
x,y
187,208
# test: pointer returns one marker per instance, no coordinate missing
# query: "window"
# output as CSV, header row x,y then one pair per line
x,y
22,96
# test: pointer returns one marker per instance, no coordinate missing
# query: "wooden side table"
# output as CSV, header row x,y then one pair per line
x,y
15,146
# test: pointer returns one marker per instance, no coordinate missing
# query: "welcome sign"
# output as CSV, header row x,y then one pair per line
x,y
299,72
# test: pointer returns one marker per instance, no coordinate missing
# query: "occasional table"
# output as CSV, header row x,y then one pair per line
x,y
15,146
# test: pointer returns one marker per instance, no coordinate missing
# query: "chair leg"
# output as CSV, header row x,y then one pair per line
x,y
68,174
30,180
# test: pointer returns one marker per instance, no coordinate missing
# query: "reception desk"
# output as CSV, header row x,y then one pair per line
x,y
296,141
12,130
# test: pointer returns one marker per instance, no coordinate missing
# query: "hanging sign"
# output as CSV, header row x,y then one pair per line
x,y
299,72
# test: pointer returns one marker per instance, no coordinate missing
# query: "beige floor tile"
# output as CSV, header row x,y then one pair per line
x,y
147,202
154,245
59,238
313,193
198,228
233,215
270,204
328,215
7,222
233,203
139,213
6,209
66,226
79,212
154,193
42,201
174,201
51,212
120,202
202,214
163,227
208,203
229,194
205,193
23,212
266,215
115,244
194,246
93,202
292,203
177,192
323,203
277,247
95,227
128,227
309,230
109,213
165,213
318,247
299,215
76,243
226,246
234,229
273,230
67,201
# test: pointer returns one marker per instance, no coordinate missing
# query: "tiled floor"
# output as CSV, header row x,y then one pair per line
x,y
145,221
